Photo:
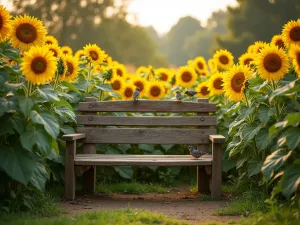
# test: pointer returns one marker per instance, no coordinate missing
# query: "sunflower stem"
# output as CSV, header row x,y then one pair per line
x,y
29,89
274,86
247,101
90,68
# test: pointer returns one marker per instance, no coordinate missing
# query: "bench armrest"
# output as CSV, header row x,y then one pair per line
x,y
73,137
218,139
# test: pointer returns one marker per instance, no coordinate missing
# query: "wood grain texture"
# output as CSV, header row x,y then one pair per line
x,y
146,135
69,171
147,120
217,138
146,106
142,160
216,178
73,137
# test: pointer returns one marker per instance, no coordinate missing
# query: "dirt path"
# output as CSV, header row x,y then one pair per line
x,y
182,205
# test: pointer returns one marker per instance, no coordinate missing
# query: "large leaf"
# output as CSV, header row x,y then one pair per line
x,y
26,105
39,176
227,164
125,171
6,105
292,136
254,167
70,86
48,121
291,179
263,139
235,124
104,87
293,119
273,162
17,163
38,137
289,88
147,148
250,131
245,112
264,113
48,94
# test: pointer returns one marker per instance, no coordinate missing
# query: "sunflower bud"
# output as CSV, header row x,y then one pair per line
x,y
107,75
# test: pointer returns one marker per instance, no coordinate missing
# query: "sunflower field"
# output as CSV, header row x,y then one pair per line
x,y
41,84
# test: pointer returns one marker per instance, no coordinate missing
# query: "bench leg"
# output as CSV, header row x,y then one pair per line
x,y
203,180
69,171
216,180
89,180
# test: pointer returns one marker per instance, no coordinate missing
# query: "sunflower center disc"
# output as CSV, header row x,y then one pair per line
x,y
70,68
119,72
1,22
26,33
38,65
49,42
204,91
116,85
139,85
237,81
295,34
186,76
272,63
155,91
224,59
247,61
280,44
94,55
200,65
163,76
128,92
65,52
218,83
54,52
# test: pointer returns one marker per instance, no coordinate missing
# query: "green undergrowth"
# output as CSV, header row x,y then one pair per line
x,y
130,188
120,217
244,203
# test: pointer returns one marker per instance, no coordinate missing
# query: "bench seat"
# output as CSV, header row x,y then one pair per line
x,y
141,160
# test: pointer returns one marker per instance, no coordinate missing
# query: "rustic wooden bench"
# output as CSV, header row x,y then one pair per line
x,y
197,128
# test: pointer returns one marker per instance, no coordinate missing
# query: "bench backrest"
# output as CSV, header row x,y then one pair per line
x,y
99,127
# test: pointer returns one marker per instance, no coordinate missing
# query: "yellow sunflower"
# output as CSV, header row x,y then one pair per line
x,y
142,70
212,65
278,41
49,39
291,33
200,64
5,23
155,90
202,90
39,65
27,32
72,67
55,49
163,74
127,91
66,50
204,73
258,46
247,59
94,53
79,54
215,84
117,84
272,63
107,60
251,48
294,53
120,69
223,59
141,83
186,77
235,82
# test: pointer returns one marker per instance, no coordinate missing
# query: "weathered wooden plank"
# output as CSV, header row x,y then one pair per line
x,y
69,171
73,137
147,120
129,156
146,135
216,178
123,160
146,106
217,138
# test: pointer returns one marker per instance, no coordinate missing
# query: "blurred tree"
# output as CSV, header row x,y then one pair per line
x,y
254,20
200,44
185,27
76,23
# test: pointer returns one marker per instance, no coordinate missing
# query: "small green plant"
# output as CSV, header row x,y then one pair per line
x,y
130,188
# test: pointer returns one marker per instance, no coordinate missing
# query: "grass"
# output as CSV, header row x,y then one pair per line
x,y
120,217
130,188
249,201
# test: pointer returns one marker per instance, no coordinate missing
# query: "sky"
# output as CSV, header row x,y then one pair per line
x,y
163,14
